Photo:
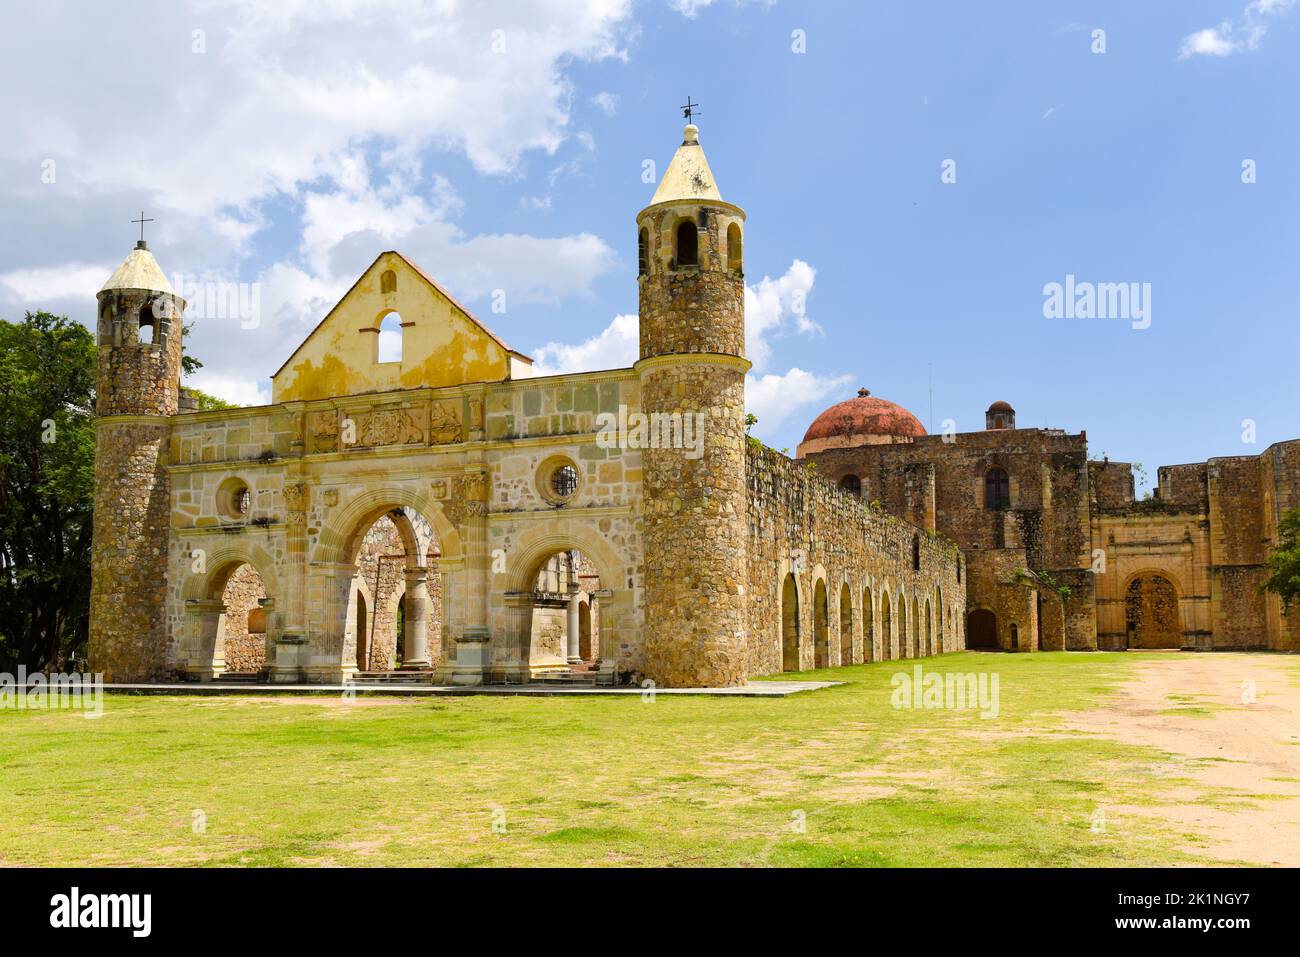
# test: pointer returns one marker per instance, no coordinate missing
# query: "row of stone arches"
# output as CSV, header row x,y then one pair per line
x,y
391,572
889,629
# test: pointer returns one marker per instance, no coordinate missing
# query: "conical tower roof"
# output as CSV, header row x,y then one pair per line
x,y
688,177
139,271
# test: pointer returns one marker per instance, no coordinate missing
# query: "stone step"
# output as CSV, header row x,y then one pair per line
x,y
238,678
422,677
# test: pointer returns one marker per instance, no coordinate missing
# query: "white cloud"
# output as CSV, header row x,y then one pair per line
x,y
607,102
771,304
230,388
775,398
1242,34
692,8
332,107
46,284
614,347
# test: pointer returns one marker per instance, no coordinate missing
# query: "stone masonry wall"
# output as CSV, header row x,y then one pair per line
x,y
799,523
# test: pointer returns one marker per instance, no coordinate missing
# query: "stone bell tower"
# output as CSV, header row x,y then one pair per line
x,y
136,391
692,370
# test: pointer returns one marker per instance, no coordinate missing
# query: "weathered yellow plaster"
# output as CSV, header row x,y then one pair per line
x,y
442,344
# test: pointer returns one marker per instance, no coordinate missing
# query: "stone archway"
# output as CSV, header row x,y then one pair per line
x,y
821,644
1151,612
846,625
789,624
982,629
234,599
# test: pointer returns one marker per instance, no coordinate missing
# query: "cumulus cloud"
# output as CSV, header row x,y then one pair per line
x,y
1242,34
772,307
245,119
614,347
774,398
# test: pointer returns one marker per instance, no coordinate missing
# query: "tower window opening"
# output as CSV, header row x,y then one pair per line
x,y
735,251
688,244
643,252
148,325
916,553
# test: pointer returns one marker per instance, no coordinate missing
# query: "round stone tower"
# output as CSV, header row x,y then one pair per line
x,y
692,371
136,391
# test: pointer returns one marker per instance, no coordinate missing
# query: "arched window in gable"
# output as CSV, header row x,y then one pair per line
x,y
390,339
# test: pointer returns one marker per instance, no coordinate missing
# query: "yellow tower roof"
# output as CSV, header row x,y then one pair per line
x,y
688,176
139,271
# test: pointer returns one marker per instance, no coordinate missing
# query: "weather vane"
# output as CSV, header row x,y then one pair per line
x,y
142,221
689,111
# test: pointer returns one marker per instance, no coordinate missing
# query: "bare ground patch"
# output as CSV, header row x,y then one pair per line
x,y
1243,758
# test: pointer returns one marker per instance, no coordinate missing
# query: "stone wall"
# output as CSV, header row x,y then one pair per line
x,y
244,651
801,524
1046,522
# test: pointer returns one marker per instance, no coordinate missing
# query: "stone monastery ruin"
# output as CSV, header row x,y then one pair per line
x,y
444,513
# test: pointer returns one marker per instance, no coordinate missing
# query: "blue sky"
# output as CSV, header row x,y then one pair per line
x,y
297,145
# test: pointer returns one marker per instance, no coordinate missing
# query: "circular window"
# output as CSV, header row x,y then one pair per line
x,y
234,500
558,480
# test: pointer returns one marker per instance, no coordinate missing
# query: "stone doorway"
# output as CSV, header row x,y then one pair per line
x,y
789,625
982,629
1151,613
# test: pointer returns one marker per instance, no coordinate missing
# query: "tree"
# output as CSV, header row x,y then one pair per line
x,y
1284,562
47,469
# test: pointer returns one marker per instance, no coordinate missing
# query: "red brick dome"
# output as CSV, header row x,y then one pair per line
x,y
862,420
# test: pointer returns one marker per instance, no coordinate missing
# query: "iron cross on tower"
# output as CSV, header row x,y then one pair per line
x,y
142,221
690,110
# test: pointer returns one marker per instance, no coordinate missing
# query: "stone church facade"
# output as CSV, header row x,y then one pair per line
x,y
444,511
1060,554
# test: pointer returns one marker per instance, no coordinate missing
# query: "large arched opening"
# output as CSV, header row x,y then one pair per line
x,y
821,645
789,624
1151,613
393,617
886,627
561,616
868,627
846,625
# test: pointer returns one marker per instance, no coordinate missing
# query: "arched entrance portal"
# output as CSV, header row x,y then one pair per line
x,y
563,614
789,625
229,621
1151,613
394,611
982,629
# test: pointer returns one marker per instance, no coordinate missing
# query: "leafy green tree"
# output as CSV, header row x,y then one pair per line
x,y
1284,562
47,469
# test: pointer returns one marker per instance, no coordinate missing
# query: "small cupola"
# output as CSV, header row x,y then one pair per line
x,y
1000,415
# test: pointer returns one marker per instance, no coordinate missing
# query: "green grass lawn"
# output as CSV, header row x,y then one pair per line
x,y
833,777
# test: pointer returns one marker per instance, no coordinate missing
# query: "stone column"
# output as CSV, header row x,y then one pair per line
x,y
575,593
416,637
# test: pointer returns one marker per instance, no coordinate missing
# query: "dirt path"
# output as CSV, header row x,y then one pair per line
x,y
1250,753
